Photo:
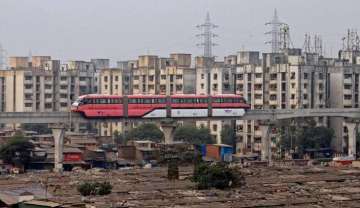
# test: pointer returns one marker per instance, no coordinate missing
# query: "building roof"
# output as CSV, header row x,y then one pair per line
x,y
12,196
83,141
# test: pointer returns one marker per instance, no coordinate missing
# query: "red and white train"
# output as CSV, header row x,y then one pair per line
x,y
160,106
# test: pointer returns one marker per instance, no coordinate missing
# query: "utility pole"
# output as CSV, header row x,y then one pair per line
x,y
207,43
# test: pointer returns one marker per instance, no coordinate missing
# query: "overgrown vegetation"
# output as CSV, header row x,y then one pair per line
x,y
17,151
96,188
217,175
193,135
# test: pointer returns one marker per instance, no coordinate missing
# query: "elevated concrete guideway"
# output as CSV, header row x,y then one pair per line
x,y
62,119
270,115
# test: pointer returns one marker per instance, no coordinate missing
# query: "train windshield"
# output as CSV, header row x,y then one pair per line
x,y
77,102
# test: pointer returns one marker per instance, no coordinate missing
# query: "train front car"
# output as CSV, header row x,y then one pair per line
x,y
98,106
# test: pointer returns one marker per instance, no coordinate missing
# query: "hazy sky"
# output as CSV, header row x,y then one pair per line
x,y
124,29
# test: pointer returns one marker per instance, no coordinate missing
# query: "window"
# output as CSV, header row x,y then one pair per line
x,y
28,105
292,76
258,75
305,75
320,96
272,97
63,95
249,77
28,86
202,85
202,76
347,76
63,104
179,76
214,127
63,78
321,76
347,86
151,78
179,87
215,86
48,105
116,87
105,87
215,76
239,76
305,85
136,77
63,87
28,96
258,96
47,86
48,96
84,78
305,96
292,96
226,76
116,78
347,97
105,78
28,77
163,77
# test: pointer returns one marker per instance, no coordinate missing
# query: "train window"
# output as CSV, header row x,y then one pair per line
x,y
132,101
217,100
202,100
147,101
115,101
159,100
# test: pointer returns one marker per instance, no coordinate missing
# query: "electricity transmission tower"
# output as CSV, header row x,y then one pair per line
x,y
280,34
207,43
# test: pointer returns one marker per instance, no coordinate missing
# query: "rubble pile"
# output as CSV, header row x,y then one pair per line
x,y
265,187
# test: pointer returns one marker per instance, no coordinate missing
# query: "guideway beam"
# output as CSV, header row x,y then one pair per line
x,y
58,131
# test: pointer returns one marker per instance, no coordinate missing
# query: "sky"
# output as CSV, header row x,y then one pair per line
x,y
125,29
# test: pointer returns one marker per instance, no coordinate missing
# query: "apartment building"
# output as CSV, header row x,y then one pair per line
x,y
176,75
287,80
344,83
146,75
221,82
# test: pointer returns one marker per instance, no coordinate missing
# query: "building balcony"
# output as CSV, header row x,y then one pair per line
x,y
258,102
273,102
273,81
348,91
258,80
347,103
258,91
347,81
63,82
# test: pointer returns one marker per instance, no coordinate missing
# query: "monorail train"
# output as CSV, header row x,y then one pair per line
x,y
160,106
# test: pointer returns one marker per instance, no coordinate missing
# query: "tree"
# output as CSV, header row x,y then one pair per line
x,y
17,151
146,131
193,135
39,128
228,135
305,136
119,137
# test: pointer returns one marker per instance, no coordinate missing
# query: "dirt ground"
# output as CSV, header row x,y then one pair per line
x,y
265,187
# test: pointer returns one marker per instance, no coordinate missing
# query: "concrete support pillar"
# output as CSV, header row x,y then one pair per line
x,y
168,128
58,134
265,142
352,130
